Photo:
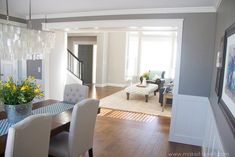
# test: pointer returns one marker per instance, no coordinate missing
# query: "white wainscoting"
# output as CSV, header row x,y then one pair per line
x,y
212,144
193,123
188,122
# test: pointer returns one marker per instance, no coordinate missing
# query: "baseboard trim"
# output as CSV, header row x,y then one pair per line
x,y
100,85
186,140
203,151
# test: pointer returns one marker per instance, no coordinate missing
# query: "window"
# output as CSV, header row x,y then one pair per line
x,y
151,51
132,55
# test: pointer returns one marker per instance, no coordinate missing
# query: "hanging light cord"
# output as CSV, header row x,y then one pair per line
x,y
7,9
30,16
30,10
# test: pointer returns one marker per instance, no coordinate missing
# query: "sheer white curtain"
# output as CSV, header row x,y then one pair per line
x,y
151,51
132,56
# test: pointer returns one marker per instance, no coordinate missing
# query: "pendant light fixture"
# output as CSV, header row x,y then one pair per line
x,y
23,43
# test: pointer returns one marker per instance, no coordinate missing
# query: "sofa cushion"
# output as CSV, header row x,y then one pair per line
x,y
152,74
156,77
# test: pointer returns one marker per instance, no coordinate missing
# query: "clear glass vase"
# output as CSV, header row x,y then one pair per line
x,y
16,113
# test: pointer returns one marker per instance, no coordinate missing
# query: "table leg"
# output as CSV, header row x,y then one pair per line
x,y
155,93
164,103
146,98
127,96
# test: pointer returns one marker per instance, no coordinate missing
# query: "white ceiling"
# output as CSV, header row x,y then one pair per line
x,y
42,7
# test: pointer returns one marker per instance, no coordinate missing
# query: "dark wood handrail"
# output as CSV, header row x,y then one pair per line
x,y
71,53
70,66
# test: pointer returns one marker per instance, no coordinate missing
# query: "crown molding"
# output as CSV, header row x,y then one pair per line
x,y
3,12
127,12
3,21
217,4
113,23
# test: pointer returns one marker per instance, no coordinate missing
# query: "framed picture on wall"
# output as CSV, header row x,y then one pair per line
x,y
227,81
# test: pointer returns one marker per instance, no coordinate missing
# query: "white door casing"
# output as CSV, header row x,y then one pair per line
x,y
8,68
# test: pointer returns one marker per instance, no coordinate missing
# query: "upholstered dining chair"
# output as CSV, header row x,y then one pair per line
x,y
73,93
79,139
30,137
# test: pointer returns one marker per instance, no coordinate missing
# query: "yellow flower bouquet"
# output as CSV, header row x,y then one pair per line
x,y
12,93
17,97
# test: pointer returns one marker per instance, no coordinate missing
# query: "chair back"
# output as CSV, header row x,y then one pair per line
x,y
30,137
74,93
82,126
152,74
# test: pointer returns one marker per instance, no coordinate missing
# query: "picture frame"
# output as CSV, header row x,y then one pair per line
x,y
219,59
219,65
217,82
227,79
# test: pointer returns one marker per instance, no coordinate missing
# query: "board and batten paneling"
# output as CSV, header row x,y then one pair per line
x,y
193,123
188,119
212,144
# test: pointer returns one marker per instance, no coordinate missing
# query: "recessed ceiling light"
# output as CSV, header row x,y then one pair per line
x,y
159,28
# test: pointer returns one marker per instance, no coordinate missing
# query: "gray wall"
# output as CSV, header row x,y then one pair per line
x,y
81,39
197,47
225,18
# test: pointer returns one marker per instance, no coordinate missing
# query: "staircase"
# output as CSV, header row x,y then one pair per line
x,y
74,65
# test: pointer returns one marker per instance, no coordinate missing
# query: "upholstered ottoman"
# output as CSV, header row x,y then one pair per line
x,y
146,91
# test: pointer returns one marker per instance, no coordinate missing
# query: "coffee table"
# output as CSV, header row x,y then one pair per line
x,y
146,91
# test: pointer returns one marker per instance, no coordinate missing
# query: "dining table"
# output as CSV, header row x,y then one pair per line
x,y
60,121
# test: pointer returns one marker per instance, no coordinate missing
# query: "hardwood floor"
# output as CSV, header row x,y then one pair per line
x,y
101,92
121,137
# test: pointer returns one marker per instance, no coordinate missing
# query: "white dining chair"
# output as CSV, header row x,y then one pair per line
x,y
74,93
79,139
29,137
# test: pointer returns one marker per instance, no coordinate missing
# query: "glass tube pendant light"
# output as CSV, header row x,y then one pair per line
x,y
23,43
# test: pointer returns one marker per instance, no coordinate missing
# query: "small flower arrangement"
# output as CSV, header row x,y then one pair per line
x,y
146,75
12,93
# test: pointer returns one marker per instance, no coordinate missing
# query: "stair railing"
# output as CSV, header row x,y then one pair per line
x,y
75,65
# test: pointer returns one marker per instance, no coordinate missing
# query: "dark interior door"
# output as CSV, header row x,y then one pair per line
x,y
85,53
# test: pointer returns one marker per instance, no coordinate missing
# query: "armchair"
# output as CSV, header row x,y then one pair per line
x,y
157,77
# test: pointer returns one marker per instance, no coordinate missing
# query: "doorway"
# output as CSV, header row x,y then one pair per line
x,y
93,26
8,69
87,54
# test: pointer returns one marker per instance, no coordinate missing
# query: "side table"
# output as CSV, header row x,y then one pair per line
x,y
165,97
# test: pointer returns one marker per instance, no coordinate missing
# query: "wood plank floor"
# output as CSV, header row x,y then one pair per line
x,y
123,137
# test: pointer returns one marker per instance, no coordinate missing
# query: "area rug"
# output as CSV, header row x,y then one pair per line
x,y
136,103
